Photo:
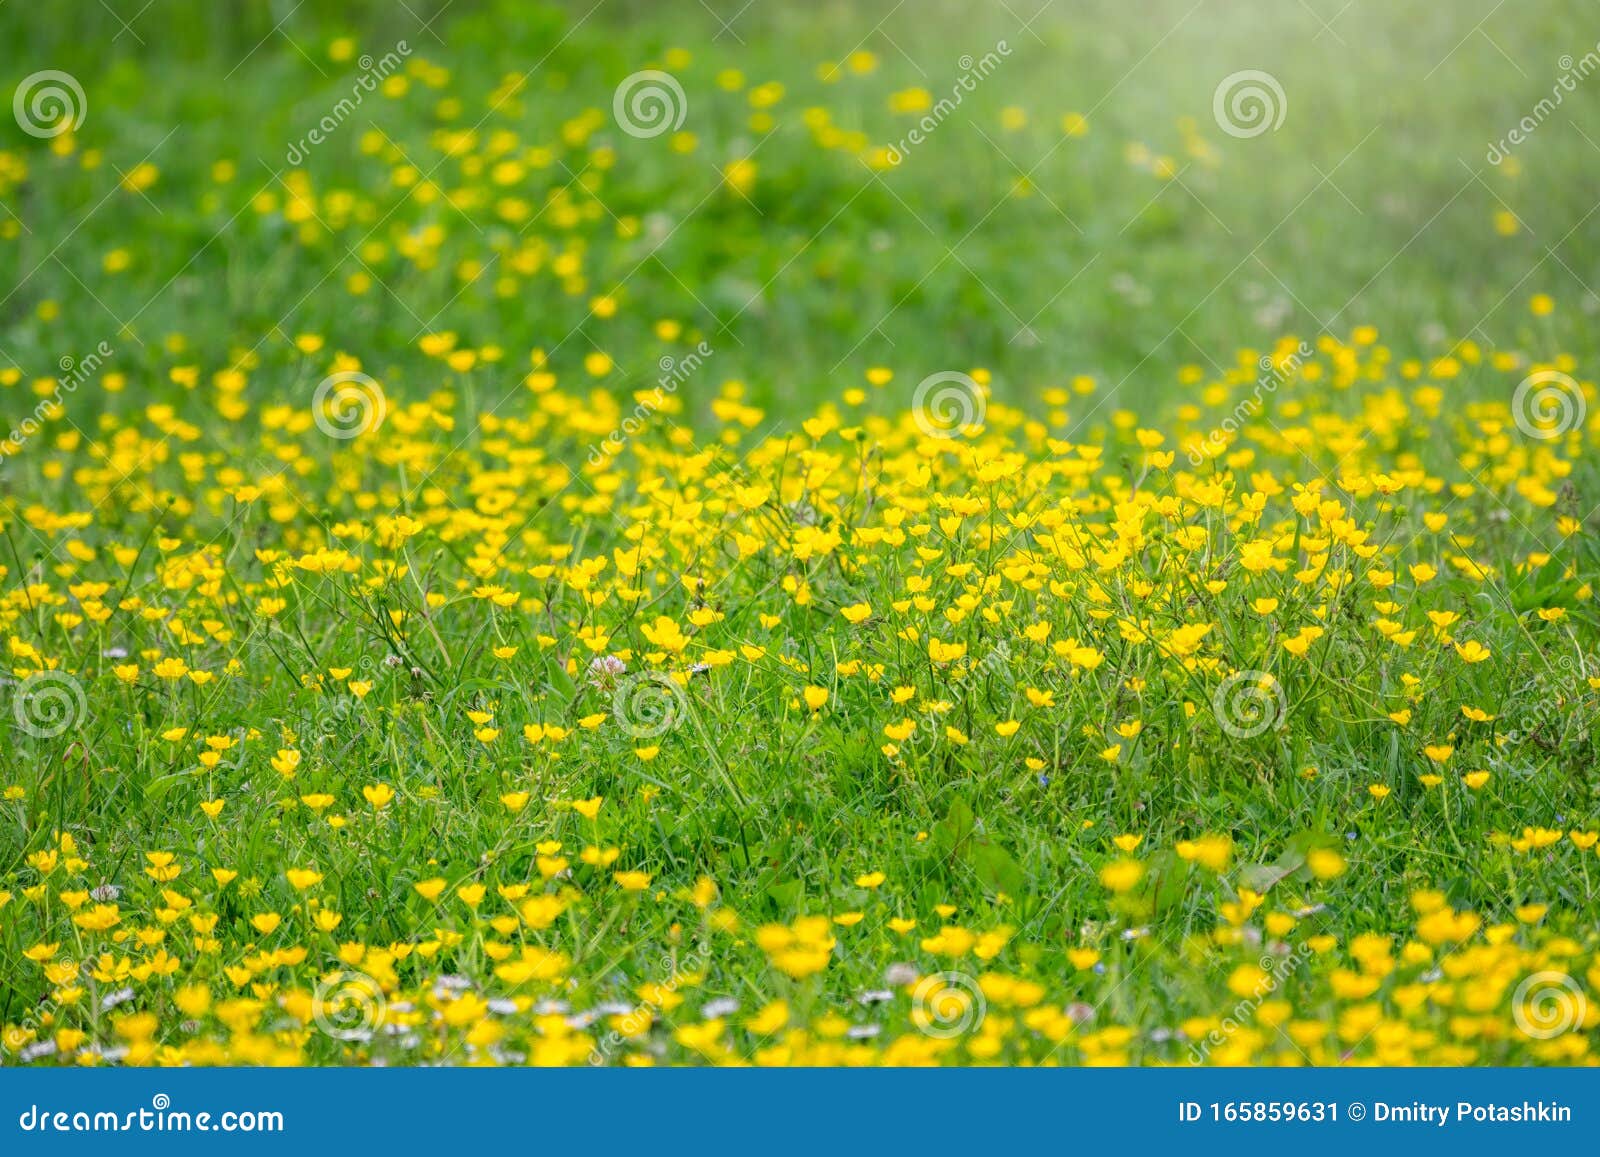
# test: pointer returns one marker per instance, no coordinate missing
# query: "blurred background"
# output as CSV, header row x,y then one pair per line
x,y
1099,202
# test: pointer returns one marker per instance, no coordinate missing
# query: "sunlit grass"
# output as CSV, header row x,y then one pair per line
x,y
493,590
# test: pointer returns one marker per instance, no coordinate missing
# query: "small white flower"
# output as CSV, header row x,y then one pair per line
x,y
900,975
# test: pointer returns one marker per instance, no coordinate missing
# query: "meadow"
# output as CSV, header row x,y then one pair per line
x,y
837,534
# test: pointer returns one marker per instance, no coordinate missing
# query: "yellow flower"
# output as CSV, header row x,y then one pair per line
x,y
171,669
1325,863
1212,852
1249,980
798,950
772,1017
901,731
1300,643
1121,875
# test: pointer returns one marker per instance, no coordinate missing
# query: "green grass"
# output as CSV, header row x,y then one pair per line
x,y
1102,290
1115,273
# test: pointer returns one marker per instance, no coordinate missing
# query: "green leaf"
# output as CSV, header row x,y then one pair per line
x,y
995,868
161,784
1168,875
950,833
